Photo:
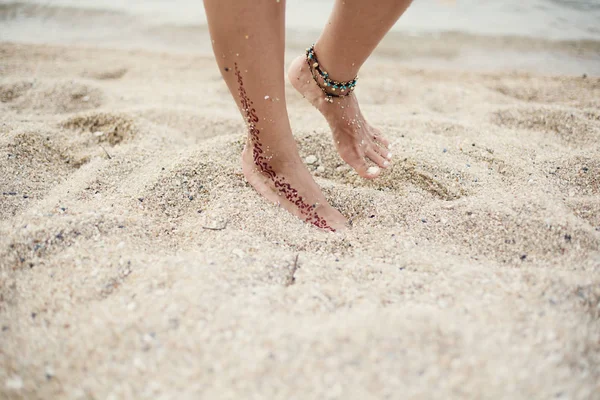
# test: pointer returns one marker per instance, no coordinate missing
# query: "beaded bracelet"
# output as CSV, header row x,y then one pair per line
x,y
345,88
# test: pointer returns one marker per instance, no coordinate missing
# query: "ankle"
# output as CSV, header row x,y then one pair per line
x,y
278,158
329,86
339,69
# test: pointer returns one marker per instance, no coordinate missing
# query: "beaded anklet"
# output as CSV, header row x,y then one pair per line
x,y
345,88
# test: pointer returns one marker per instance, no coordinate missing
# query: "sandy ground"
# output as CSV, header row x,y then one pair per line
x,y
135,262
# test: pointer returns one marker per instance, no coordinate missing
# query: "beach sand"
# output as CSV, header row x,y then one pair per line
x,y
135,262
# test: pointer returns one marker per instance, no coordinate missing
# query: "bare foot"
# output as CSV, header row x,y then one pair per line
x,y
354,138
285,180
271,164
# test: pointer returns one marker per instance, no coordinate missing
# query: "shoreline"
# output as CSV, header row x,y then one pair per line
x,y
445,49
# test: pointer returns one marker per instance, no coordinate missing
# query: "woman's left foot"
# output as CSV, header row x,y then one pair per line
x,y
354,138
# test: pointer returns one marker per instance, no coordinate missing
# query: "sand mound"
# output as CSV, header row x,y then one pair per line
x,y
111,128
106,74
34,162
571,126
505,234
12,91
50,96
583,92
187,186
194,123
587,208
31,246
579,175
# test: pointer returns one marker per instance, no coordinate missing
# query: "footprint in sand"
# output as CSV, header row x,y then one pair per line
x,y
401,173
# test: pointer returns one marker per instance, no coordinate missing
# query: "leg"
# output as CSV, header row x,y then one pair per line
x,y
354,29
248,41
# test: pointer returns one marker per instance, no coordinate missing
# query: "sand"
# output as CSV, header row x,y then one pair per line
x,y
135,262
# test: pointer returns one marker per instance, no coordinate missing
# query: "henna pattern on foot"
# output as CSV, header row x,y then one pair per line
x,y
308,211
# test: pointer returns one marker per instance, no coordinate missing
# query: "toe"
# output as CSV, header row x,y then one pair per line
x,y
377,158
362,168
377,137
383,151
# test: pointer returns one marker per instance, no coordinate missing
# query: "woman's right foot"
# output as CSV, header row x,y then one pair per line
x,y
271,164
285,180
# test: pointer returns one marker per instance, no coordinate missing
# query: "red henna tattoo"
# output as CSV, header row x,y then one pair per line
x,y
261,162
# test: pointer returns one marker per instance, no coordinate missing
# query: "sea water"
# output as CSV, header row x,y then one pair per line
x,y
180,25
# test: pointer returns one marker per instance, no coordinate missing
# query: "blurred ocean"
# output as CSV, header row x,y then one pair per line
x,y
551,35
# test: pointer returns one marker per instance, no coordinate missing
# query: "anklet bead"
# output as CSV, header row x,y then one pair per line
x,y
345,87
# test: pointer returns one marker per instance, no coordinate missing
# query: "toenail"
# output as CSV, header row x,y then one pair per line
x,y
372,170
386,164
389,155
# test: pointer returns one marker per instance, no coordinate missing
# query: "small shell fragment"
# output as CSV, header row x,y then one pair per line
x,y
311,159
373,170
